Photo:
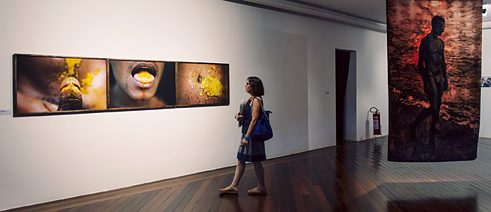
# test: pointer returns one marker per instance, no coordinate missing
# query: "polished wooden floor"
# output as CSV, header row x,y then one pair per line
x,y
352,177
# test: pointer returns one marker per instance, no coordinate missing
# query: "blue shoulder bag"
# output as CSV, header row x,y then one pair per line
x,y
262,130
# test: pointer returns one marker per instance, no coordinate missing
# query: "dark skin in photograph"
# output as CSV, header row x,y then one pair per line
x,y
433,71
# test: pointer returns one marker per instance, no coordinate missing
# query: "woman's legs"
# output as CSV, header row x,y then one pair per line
x,y
233,187
239,171
259,170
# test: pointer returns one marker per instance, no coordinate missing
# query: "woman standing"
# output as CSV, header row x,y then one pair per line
x,y
250,150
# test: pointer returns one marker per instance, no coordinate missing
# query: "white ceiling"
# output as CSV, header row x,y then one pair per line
x,y
373,10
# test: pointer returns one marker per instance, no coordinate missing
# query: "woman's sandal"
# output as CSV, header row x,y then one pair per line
x,y
228,190
256,191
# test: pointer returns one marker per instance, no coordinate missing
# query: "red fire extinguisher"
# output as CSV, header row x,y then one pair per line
x,y
376,121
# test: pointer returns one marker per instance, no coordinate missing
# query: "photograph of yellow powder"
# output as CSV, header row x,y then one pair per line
x,y
201,84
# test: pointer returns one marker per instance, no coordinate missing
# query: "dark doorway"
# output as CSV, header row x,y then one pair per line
x,y
343,58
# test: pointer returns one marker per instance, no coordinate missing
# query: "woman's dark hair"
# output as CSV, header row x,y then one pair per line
x,y
256,85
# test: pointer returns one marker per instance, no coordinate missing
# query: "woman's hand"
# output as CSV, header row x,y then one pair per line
x,y
239,117
245,141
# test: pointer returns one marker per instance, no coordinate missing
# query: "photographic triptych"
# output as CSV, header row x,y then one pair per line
x,y
47,85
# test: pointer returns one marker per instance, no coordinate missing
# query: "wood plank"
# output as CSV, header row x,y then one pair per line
x,y
353,177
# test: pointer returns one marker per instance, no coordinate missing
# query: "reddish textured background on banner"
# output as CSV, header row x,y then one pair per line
x,y
456,133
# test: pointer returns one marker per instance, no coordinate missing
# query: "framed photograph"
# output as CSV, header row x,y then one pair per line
x,y
202,84
46,85
139,84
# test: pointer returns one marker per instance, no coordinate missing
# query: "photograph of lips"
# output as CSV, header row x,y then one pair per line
x,y
201,84
52,85
135,84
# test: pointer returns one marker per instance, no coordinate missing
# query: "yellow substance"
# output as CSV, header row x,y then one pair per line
x,y
91,93
71,68
94,89
71,63
212,86
144,77
208,81
87,81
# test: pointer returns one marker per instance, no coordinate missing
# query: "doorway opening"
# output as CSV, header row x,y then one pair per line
x,y
345,95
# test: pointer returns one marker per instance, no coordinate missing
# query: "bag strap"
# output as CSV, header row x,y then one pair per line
x,y
266,113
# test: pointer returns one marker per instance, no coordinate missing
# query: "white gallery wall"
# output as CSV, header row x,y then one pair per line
x,y
56,157
49,158
485,128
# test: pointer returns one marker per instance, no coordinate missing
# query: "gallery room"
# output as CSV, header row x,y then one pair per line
x,y
148,105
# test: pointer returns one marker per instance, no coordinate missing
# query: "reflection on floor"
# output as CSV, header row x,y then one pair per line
x,y
352,177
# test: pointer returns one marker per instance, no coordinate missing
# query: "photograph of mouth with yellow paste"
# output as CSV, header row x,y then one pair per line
x,y
138,84
144,74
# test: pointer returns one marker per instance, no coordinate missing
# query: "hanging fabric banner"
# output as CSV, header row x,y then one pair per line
x,y
434,55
